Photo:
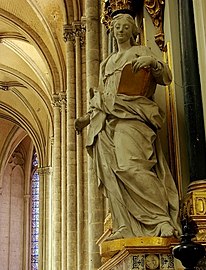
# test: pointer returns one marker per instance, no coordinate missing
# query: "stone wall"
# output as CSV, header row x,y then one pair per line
x,y
11,219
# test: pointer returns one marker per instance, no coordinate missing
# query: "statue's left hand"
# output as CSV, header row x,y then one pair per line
x,y
143,62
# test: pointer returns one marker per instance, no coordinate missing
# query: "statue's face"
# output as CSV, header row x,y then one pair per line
x,y
122,30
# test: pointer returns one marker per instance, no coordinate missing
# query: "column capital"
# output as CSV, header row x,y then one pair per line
x,y
76,29
80,30
45,170
56,100
68,33
63,98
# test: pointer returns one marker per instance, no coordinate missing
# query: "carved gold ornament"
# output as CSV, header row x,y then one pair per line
x,y
152,261
156,10
195,207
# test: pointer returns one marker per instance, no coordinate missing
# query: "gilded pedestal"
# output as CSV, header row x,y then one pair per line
x,y
143,253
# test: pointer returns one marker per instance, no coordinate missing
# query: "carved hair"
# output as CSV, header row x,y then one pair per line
x,y
130,19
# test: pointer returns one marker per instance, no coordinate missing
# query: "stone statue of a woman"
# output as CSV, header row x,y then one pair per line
x,y
123,142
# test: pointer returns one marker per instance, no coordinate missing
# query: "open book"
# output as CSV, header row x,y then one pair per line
x,y
134,83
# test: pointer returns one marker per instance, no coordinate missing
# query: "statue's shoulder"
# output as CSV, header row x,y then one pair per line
x,y
104,61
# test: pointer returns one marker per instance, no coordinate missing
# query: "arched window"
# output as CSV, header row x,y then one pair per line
x,y
34,214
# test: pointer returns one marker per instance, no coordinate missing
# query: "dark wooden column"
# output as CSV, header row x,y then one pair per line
x,y
192,92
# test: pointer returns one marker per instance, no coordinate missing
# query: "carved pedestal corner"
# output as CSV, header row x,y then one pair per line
x,y
195,207
143,253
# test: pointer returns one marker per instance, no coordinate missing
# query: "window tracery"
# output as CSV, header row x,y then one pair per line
x,y
34,214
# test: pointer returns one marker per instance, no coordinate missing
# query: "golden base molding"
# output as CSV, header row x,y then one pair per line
x,y
120,252
138,245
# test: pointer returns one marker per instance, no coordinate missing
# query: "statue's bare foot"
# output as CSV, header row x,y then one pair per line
x,y
114,236
122,232
167,230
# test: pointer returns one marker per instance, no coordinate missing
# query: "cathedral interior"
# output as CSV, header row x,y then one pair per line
x,y
52,214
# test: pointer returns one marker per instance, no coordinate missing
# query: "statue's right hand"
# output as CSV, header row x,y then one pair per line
x,y
77,126
145,61
81,123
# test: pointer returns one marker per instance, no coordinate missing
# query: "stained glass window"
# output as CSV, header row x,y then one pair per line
x,y
34,214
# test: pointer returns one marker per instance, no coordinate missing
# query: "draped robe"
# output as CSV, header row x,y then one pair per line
x,y
128,161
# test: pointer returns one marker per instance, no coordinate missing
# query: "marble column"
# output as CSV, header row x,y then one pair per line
x,y
56,187
71,152
95,202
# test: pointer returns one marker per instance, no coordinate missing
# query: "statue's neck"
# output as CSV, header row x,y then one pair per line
x,y
122,47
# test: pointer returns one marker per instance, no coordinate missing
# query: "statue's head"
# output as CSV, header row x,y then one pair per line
x,y
122,19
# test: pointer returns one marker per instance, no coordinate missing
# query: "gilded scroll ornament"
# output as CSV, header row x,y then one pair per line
x,y
156,10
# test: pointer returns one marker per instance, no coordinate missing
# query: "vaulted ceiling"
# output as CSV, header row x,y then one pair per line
x,y
32,65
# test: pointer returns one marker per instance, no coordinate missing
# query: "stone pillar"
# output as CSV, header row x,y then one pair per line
x,y
27,211
95,202
56,188
79,150
41,221
79,145
63,184
104,42
71,152
84,186
27,214
45,234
